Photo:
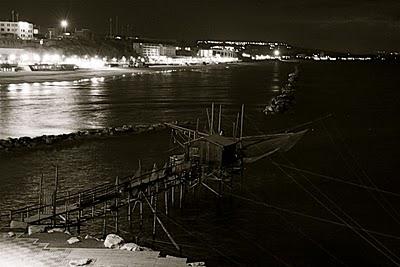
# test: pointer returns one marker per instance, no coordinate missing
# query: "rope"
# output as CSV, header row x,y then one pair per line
x,y
337,179
278,259
316,218
395,218
389,256
314,241
349,151
191,234
305,235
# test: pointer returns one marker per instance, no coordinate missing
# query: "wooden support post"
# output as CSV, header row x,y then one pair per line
x,y
67,212
55,196
116,203
197,128
180,195
27,212
154,217
40,195
219,119
237,125
212,119
241,122
208,120
105,219
132,211
129,210
166,199
154,210
93,206
79,206
141,214
173,195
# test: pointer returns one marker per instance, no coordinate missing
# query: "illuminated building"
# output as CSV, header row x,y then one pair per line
x,y
216,52
20,29
154,49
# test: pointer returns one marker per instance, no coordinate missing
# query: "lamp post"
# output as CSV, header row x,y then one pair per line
x,y
64,25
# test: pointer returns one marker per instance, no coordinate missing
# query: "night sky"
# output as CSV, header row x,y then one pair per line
x,y
339,25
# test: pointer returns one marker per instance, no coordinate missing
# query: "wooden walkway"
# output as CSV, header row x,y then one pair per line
x,y
131,193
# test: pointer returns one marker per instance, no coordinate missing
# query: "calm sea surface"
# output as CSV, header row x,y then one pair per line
x,y
358,143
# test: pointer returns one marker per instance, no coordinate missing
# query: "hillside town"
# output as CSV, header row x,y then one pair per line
x,y
26,46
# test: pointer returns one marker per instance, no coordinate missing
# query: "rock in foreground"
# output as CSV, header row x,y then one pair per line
x,y
113,241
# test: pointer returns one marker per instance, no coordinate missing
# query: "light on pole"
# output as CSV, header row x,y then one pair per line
x,y
64,25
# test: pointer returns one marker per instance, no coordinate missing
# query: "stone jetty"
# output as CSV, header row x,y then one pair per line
x,y
286,99
12,144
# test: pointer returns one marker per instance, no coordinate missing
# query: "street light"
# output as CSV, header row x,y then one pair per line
x,y
64,25
277,52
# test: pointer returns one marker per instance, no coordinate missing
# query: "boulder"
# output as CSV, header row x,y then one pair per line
x,y
10,234
67,232
80,262
130,247
55,230
33,229
73,240
18,225
113,241
195,264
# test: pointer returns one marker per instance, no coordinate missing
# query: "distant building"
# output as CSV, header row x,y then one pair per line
x,y
216,52
154,49
20,29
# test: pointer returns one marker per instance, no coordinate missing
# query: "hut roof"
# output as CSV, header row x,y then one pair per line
x,y
221,141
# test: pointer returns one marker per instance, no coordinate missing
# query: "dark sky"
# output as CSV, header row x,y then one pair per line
x,y
341,25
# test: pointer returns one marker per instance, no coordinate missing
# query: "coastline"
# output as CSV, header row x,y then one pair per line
x,y
7,78
52,76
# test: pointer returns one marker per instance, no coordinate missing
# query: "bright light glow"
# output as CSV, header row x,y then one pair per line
x,y
85,62
36,58
25,57
277,52
64,23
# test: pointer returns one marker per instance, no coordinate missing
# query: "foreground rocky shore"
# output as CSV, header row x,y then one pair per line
x,y
13,144
56,247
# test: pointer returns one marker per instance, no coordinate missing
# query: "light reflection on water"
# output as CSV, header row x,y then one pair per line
x,y
66,106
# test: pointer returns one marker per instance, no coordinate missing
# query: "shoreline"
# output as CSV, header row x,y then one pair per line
x,y
84,250
7,78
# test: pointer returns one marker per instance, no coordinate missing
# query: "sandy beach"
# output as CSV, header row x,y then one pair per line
x,y
49,76
52,76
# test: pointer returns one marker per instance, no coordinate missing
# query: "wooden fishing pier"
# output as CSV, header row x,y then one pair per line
x,y
207,160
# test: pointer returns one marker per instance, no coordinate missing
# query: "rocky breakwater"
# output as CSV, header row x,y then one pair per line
x,y
12,144
286,99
